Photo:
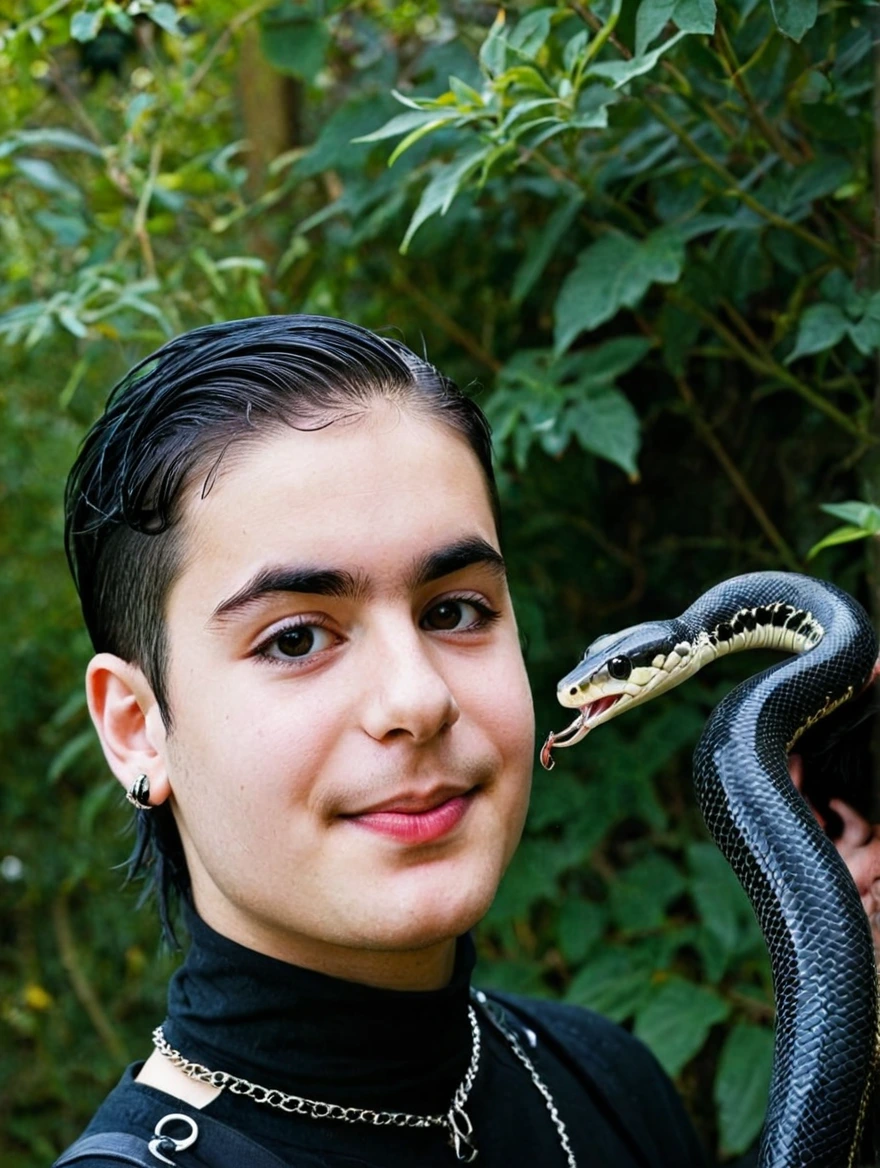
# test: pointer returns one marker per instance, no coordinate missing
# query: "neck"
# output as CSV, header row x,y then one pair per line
x,y
353,1039
427,968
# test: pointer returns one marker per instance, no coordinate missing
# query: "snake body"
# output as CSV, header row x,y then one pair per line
x,y
816,931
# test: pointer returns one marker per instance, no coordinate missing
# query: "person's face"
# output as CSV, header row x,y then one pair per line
x,y
352,739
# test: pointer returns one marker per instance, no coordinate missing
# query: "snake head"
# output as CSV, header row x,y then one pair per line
x,y
617,672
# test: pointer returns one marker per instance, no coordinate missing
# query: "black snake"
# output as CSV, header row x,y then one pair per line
x,y
815,928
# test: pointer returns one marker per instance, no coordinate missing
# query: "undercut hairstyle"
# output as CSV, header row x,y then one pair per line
x,y
169,424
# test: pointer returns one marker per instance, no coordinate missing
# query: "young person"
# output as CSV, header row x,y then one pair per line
x,y
307,678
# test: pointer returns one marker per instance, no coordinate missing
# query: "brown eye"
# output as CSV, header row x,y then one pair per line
x,y
296,642
445,616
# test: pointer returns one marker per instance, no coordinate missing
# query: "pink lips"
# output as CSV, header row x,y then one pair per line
x,y
417,827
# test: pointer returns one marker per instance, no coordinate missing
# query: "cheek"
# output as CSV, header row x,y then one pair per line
x,y
516,709
506,715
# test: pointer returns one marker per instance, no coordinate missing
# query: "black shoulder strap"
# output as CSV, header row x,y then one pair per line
x,y
648,1114
215,1146
114,1147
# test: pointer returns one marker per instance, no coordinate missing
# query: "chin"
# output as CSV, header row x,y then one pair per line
x,y
431,915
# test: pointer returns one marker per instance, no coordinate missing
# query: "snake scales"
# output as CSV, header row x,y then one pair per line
x,y
817,933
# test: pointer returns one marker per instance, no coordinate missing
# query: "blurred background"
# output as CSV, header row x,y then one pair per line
x,y
643,234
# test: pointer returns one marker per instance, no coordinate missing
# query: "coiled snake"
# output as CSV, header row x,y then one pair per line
x,y
817,933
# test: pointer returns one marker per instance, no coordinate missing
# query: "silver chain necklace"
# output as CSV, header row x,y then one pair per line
x,y
456,1121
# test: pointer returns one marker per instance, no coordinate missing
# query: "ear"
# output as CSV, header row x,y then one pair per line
x,y
129,723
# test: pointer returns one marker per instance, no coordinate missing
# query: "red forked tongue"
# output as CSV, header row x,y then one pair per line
x,y
577,730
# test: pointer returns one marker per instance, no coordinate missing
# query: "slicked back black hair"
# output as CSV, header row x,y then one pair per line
x,y
168,423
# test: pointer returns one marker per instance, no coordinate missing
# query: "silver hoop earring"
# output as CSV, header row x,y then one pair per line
x,y
138,794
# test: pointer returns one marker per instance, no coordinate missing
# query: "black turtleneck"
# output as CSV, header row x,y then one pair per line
x,y
307,1034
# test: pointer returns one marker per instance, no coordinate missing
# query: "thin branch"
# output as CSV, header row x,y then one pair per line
x,y
452,329
79,982
140,215
733,188
760,1011
741,323
735,73
79,110
736,477
705,107
35,21
222,43
764,363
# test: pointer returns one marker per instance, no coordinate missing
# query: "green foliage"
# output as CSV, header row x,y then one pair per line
x,y
863,522
741,1086
647,229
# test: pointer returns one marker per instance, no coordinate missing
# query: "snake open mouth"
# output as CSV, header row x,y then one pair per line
x,y
579,728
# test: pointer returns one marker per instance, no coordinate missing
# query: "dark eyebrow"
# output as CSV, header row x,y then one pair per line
x,y
346,585
464,553
315,581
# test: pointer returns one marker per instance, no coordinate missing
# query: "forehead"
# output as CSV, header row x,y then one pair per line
x,y
372,492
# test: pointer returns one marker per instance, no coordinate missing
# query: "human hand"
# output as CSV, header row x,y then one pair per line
x,y
859,848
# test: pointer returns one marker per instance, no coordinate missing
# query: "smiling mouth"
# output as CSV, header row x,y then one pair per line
x,y
578,730
412,804
422,824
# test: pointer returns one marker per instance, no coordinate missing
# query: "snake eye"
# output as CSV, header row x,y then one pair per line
x,y
620,668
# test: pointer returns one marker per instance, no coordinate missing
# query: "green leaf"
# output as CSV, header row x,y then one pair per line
x,y
864,515
441,190
742,1085
530,878
167,17
50,136
69,753
676,1021
574,49
465,94
526,77
641,893
651,19
404,123
613,273
865,335
85,26
332,147
543,246
821,327
531,32
711,887
720,901
69,320
690,16
616,984
794,17
695,16
591,108
66,396
296,47
493,51
840,535
75,704
510,977
606,424
601,365
620,72
95,799
47,177
138,106
581,923
521,108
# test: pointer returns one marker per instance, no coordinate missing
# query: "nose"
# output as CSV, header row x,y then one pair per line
x,y
407,695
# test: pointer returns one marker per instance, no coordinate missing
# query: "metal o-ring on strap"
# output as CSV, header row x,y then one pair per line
x,y
161,1143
